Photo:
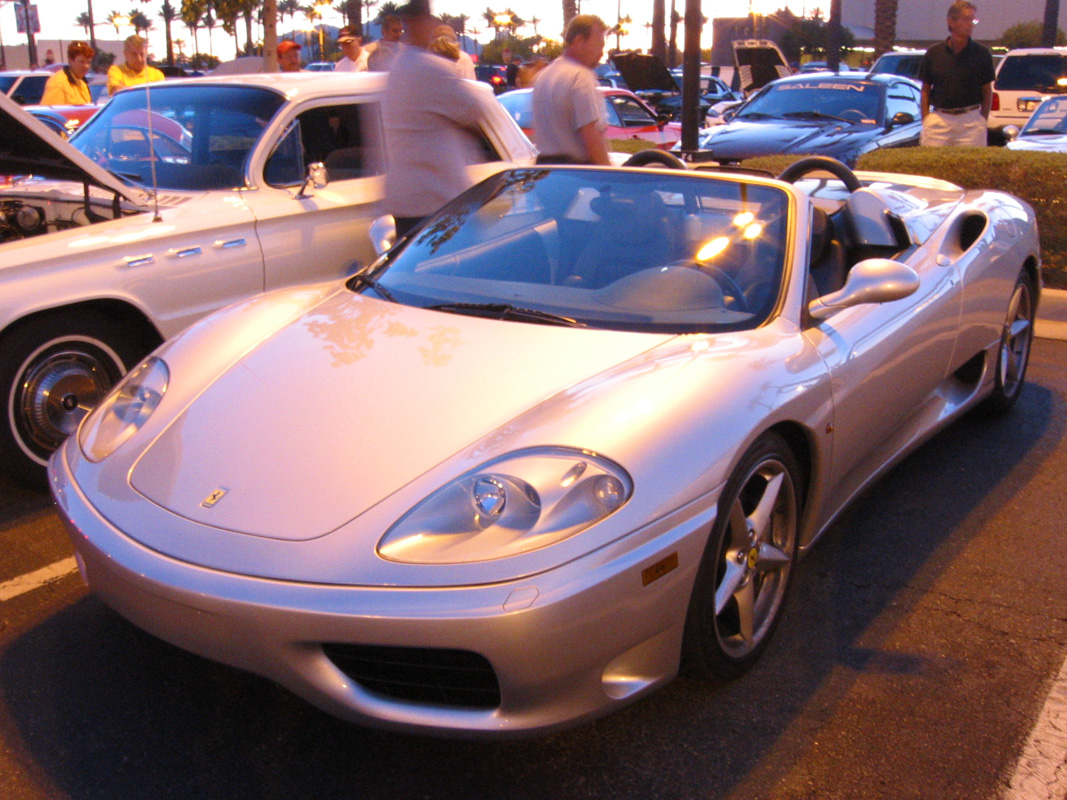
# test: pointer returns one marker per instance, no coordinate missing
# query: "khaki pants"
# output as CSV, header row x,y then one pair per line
x,y
960,129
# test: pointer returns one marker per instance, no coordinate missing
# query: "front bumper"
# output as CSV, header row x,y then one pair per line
x,y
564,646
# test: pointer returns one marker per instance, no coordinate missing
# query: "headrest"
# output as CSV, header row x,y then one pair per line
x,y
871,224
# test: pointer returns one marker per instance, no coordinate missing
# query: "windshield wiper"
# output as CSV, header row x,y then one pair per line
x,y
366,280
813,115
756,115
1044,131
507,311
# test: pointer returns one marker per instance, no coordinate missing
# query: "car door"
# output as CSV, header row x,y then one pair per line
x,y
902,96
887,363
312,233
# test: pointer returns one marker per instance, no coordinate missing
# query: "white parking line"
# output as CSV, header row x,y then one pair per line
x,y
1041,772
32,580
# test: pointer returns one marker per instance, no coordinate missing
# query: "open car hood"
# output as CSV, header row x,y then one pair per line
x,y
27,147
644,72
759,61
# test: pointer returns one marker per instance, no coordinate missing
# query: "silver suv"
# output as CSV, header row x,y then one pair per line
x,y
1024,78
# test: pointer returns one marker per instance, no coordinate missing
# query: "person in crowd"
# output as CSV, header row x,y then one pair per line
x,y
387,48
464,63
68,87
568,110
528,72
511,73
444,47
135,70
432,118
289,56
355,56
957,84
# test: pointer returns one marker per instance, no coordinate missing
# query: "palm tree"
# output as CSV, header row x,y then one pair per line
x,y
885,25
117,20
289,7
1052,15
386,9
141,23
83,22
168,14
659,40
570,11
192,15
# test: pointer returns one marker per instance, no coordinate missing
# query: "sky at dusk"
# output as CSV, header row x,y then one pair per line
x,y
58,20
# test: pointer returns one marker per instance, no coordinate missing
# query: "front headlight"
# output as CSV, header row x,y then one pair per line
x,y
124,410
514,504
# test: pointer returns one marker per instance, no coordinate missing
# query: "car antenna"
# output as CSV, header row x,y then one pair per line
x,y
152,152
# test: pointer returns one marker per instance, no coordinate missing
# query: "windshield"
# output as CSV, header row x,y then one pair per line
x,y
201,134
1050,117
854,101
637,251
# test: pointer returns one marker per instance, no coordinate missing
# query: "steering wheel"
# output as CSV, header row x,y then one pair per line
x,y
659,158
798,169
730,287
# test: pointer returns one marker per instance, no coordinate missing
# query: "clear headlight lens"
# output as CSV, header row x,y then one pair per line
x,y
517,503
124,410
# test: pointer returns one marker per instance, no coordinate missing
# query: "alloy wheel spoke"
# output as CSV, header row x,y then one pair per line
x,y
761,515
746,610
771,558
732,579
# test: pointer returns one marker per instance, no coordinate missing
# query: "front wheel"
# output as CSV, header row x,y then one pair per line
x,y
747,565
1013,353
53,371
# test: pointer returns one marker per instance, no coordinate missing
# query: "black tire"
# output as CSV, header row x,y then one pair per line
x,y
747,566
798,169
654,158
1013,352
54,369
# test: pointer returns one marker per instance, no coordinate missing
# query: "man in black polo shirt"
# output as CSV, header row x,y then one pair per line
x,y
957,77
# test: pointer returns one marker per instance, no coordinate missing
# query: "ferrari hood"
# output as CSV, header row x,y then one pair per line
x,y
1046,143
27,147
739,139
644,72
344,406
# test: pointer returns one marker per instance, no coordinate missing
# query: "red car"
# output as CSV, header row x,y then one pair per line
x,y
628,117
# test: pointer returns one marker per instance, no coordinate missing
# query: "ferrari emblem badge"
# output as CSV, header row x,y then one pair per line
x,y
213,498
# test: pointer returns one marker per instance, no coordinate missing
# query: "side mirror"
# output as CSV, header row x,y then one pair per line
x,y
876,280
317,178
901,118
1011,133
383,233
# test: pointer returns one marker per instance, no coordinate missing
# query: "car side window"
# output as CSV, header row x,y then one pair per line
x,y
901,97
30,90
344,137
631,114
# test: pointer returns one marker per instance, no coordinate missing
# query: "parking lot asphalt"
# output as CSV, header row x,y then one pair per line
x,y
1052,315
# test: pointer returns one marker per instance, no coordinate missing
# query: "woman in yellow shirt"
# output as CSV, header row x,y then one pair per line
x,y
68,86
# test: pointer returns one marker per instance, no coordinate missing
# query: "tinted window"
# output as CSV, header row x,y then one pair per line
x,y
1040,73
901,97
201,135
856,101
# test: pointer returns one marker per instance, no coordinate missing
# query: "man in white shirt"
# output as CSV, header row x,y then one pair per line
x,y
355,57
568,110
432,121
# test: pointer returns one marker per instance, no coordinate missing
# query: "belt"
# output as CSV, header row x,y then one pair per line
x,y
956,111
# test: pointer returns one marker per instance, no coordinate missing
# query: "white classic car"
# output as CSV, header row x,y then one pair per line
x,y
113,245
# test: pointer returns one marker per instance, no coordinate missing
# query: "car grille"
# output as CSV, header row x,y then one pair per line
x,y
455,678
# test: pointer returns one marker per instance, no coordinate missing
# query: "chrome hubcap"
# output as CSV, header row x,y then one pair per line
x,y
57,392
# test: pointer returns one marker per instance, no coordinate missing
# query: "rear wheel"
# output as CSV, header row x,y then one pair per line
x,y
747,566
1013,354
54,369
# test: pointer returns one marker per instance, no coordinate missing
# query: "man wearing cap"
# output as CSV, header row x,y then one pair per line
x,y
136,70
289,56
568,110
432,121
355,57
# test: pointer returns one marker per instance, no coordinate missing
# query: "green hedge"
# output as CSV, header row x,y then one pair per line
x,y
1038,178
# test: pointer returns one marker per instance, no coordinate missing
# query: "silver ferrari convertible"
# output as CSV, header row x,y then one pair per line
x,y
568,437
